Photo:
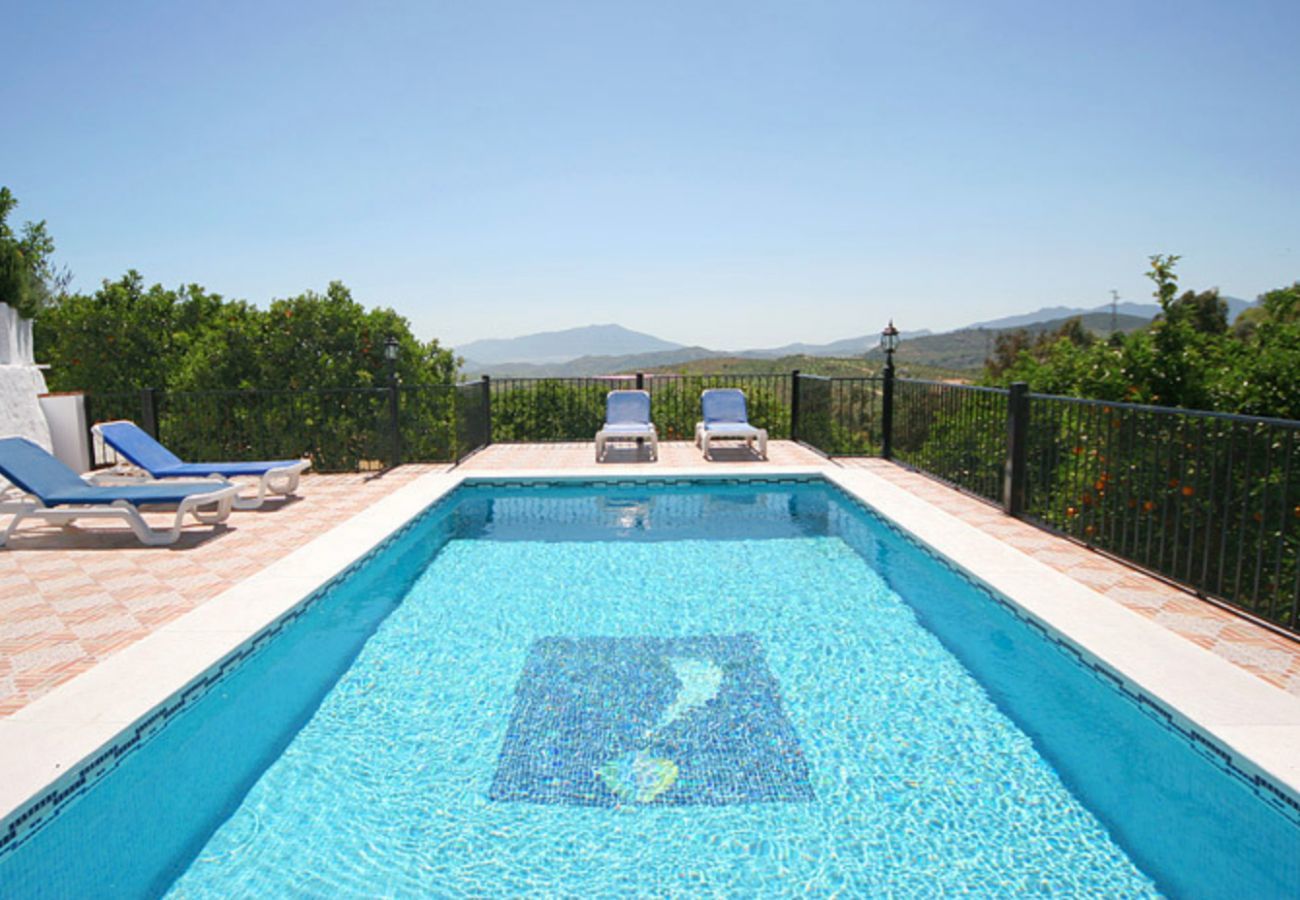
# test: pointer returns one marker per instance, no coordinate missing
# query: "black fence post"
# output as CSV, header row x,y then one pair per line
x,y
487,410
149,411
394,426
1013,480
887,413
640,381
794,405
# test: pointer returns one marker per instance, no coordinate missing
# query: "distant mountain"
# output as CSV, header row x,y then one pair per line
x,y
612,349
561,346
967,348
847,347
1147,311
585,366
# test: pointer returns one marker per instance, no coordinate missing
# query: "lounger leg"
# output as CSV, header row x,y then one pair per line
x,y
13,526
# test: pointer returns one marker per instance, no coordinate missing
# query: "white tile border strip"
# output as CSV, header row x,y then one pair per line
x,y
49,740
1256,721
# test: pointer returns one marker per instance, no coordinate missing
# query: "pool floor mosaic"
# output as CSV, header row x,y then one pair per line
x,y
602,721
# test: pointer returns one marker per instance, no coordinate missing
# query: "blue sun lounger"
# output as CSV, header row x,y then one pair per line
x,y
145,455
627,418
59,495
725,416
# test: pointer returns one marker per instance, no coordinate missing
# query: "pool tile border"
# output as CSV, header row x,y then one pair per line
x,y
22,819
1278,792
77,769
27,817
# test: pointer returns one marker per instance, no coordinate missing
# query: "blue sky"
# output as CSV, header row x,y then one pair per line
x,y
731,174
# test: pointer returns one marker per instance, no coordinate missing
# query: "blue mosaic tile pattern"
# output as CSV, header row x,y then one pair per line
x,y
700,717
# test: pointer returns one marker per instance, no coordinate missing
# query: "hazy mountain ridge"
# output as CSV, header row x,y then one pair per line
x,y
602,349
589,365
1146,311
562,346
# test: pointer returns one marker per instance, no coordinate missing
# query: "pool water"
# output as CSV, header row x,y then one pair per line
x,y
681,690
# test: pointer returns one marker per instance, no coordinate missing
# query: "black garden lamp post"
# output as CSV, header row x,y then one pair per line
x,y
888,343
391,348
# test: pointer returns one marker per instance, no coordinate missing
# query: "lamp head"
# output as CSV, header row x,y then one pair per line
x,y
889,338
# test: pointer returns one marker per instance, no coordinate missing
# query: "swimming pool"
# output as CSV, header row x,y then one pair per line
x,y
655,687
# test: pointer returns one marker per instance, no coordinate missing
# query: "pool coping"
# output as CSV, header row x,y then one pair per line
x,y
54,748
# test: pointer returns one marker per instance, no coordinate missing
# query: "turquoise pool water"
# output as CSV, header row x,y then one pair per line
x,y
669,690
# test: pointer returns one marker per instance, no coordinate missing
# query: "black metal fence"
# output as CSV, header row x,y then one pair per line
x,y
572,409
839,416
340,430
1206,499
1209,500
956,432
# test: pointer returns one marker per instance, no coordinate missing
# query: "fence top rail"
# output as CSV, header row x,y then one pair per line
x,y
974,388
820,377
496,378
1170,411
252,392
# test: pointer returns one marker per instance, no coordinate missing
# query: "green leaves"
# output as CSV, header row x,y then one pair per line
x,y
27,280
126,336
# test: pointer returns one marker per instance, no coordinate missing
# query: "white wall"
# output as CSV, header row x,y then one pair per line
x,y
69,437
21,383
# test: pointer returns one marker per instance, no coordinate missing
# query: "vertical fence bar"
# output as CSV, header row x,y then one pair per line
x,y
1013,482
887,415
394,426
487,410
794,405
149,411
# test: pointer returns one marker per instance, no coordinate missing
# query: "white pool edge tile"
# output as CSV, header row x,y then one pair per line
x,y
1256,721
51,738
48,741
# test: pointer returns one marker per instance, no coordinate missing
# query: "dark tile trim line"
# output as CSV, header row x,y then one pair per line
x,y
1275,795
640,481
38,812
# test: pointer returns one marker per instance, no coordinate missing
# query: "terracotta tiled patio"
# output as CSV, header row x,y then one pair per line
x,y
1263,653
70,598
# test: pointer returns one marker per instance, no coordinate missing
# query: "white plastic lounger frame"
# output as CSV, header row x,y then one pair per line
x,y
279,480
283,480
748,433
30,507
726,417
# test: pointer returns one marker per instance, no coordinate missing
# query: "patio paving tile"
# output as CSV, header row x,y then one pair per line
x,y
72,597
1258,650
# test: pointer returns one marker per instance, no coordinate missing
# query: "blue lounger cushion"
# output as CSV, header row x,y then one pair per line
x,y
140,449
627,408
724,406
41,475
